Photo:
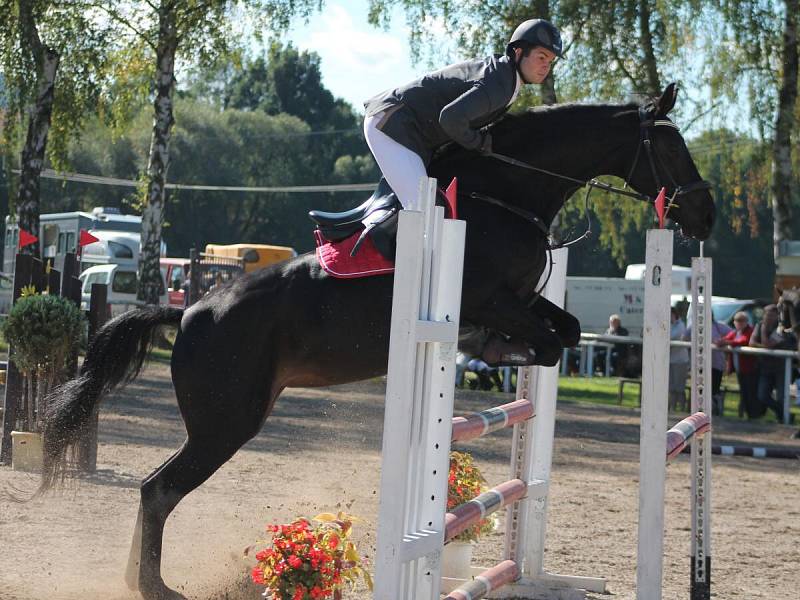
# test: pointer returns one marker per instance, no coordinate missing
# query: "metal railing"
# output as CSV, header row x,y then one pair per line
x,y
591,342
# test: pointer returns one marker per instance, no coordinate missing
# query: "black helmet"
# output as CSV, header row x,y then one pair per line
x,y
536,32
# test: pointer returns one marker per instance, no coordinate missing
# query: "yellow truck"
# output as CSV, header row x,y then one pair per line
x,y
254,256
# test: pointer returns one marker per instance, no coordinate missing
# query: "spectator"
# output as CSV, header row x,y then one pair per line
x,y
618,354
218,281
488,377
718,332
744,365
678,362
772,370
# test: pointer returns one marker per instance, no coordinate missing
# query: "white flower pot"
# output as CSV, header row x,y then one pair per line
x,y
26,451
456,560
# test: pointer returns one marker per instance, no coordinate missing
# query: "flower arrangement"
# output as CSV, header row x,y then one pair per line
x,y
309,560
465,483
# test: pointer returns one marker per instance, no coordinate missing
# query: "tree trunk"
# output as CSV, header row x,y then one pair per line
x,y
150,284
784,127
39,115
646,38
541,8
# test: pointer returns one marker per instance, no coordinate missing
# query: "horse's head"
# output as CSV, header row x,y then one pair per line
x,y
789,310
663,159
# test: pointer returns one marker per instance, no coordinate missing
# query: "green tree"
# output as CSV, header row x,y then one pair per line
x,y
54,58
761,39
288,81
198,31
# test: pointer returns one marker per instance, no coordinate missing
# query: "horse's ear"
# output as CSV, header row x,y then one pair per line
x,y
667,100
779,290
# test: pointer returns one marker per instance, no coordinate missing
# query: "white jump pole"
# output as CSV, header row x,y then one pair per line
x,y
419,401
653,431
702,328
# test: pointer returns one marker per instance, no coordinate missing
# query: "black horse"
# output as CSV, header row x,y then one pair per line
x,y
292,325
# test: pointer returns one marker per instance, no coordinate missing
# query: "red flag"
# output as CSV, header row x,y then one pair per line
x,y
660,207
26,239
451,195
86,238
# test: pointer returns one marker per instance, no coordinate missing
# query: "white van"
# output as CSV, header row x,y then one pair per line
x,y
121,280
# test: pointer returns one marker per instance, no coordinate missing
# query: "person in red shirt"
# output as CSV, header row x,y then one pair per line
x,y
746,366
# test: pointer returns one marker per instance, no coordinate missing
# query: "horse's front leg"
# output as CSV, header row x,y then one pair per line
x,y
566,326
531,340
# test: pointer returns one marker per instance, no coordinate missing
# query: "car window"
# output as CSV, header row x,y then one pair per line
x,y
124,282
93,278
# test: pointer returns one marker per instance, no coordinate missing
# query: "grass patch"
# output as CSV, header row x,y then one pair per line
x,y
597,390
604,390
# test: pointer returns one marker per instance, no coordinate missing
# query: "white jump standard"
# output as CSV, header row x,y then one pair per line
x,y
652,463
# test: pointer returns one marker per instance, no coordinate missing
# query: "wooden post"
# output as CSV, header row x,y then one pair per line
x,y
194,277
54,283
38,276
98,315
22,277
70,271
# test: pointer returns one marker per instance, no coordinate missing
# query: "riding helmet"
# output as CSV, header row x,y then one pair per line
x,y
536,32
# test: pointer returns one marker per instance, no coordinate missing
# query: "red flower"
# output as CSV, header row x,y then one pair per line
x,y
294,562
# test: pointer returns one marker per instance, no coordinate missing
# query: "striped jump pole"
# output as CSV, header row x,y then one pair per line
x,y
681,434
755,451
499,417
469,513
488,581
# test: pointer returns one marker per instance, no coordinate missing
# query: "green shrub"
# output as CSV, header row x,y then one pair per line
x,y
42,330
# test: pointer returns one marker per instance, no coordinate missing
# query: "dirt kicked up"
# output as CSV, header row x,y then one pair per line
x,y
320,451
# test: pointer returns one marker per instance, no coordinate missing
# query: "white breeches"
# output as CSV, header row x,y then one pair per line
x,y
401,167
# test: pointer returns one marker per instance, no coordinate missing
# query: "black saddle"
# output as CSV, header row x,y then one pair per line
x,y
377,217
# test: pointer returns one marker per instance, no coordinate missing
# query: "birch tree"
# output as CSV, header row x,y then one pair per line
x,y
53,57
194,31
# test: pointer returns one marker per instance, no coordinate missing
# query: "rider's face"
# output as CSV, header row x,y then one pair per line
x,y
536,65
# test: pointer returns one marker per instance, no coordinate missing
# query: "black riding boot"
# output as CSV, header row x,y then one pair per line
x,y
502,352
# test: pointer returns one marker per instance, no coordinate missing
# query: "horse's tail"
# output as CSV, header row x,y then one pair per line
x,y
115,356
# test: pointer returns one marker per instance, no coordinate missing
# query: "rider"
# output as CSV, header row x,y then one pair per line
x,y
404,126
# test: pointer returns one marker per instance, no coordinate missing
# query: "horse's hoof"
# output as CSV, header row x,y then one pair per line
x,y
158,590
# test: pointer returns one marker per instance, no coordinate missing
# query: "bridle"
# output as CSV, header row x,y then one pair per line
x,y
647,122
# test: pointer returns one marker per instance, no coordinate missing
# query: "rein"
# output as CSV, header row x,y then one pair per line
x,y
646,122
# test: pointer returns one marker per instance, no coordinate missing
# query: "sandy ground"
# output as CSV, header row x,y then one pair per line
x,y
320,451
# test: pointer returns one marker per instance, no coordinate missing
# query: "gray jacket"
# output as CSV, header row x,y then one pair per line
x,y
452,104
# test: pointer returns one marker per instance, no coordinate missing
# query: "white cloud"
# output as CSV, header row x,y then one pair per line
x,y
358,60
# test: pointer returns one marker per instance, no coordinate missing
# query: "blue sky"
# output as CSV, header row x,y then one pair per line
x,y
358,60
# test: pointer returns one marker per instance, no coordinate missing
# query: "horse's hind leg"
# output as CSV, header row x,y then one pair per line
x,y
161,492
